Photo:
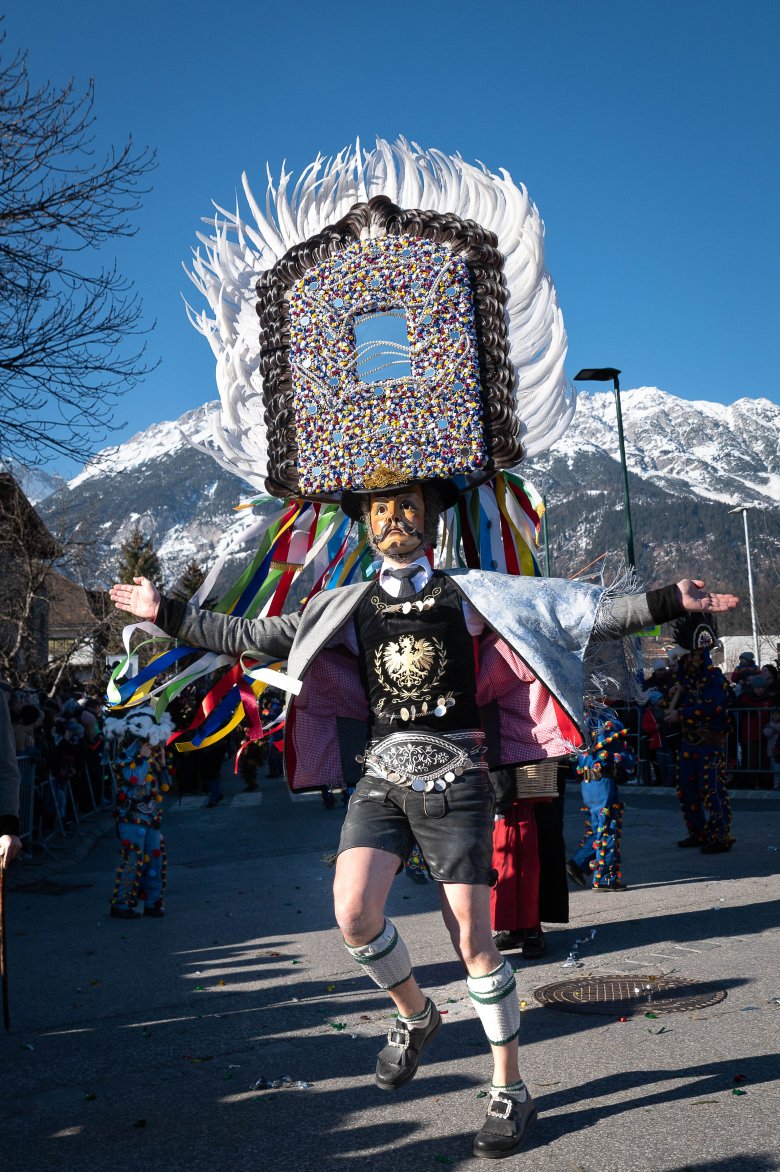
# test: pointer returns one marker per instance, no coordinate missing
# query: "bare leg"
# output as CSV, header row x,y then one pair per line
x,y
363,880
466,911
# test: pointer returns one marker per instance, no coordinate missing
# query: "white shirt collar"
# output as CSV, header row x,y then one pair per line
x,y
393,585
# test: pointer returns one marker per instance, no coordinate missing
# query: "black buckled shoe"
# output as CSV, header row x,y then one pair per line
x,y
715,848
505,1127
534,944
398,1061
506,941
124,913
576,874
690,841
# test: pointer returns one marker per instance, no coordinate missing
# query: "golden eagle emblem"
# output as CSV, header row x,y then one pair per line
x,y
410,667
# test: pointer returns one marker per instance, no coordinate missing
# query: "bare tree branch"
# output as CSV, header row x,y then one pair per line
x,y
70,329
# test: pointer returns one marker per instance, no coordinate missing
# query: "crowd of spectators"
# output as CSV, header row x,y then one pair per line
x,y
61,740
753,750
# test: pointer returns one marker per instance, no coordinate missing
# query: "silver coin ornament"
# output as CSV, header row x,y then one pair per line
x,y
449,776
440,784
418,785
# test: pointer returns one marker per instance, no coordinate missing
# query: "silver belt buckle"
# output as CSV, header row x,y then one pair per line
x,y
423,761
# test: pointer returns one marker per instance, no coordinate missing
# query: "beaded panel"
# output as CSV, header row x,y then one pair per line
x,y
352,430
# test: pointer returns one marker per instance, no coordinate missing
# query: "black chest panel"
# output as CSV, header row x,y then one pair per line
x,y
417,660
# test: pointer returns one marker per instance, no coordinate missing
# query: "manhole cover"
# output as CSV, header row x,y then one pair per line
x,y
629,996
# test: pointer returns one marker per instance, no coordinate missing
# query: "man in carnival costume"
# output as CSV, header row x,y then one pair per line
x,y
410,350
699,706
141,781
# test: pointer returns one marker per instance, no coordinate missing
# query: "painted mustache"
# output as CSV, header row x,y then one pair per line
x,y
398,523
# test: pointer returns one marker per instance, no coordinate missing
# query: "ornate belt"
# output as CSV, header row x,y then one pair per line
x,y
424,761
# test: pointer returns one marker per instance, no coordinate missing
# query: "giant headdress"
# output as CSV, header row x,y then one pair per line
x,y
387,319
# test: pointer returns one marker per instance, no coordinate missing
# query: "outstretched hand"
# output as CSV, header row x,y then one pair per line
x,y
695,598
142,599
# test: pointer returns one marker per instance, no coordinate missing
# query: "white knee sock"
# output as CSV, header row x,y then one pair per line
x,y
385,958
495,1000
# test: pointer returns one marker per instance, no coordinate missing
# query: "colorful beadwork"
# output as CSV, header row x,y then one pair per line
x,y
425,425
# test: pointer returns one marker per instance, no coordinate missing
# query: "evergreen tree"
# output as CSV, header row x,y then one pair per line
x,y
138,559
190,579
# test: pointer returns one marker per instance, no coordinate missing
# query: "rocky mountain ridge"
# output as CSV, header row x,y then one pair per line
x,y
689,464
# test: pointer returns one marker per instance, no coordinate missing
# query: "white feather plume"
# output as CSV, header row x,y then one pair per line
x,y
234,252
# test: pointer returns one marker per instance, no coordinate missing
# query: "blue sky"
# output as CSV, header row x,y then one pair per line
x,y
646,133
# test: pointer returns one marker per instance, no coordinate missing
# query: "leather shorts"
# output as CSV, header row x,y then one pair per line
x,y
454,829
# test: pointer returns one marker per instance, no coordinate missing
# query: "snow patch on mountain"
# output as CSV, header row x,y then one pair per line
x,y
156,442
719,452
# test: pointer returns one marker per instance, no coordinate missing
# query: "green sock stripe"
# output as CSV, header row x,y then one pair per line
x,y
395,984
417,1016
510,1086
377,955
504,1041
495,997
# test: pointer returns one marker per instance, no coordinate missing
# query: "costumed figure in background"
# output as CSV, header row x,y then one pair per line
x,y
528,855
141,781
410,349
698,704
604,761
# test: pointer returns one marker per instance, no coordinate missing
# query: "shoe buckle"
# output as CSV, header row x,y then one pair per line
x,y
501,1108
398,1037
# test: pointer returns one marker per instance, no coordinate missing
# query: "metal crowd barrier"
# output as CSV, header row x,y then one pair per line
x,y
48,806
748,763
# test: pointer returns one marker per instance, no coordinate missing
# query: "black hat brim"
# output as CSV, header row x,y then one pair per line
x,y
353,500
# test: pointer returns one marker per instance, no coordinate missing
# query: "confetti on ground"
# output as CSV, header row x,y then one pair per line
x,y
663,1030
738,1091
337,1025
329,988
221,984
738,1078
296,962
481,1094
286,1082
145,1033
651,1015
573,959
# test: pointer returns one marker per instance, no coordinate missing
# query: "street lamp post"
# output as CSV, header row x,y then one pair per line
x,y
743,509
602,375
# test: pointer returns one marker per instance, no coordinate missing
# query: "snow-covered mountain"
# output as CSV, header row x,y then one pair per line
x,y
157,480
709,450
690,462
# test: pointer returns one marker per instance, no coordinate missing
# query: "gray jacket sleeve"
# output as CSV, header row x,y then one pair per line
x,y
233,636
628,613
9,773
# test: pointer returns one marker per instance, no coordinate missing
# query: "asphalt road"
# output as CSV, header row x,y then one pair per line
x,y
138,1046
